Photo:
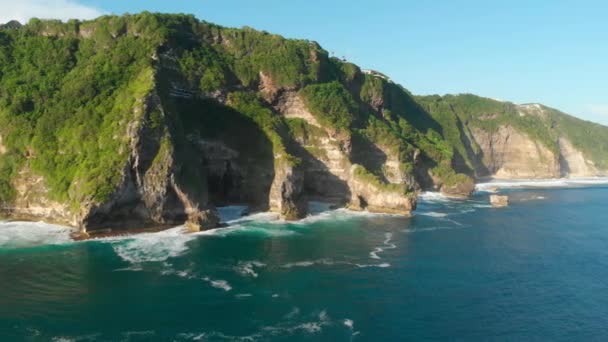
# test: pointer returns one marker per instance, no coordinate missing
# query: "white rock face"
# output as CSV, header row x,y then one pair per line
x,y
573,162
508,153
291,105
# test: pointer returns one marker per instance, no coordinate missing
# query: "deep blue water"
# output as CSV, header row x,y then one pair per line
x,y
457,270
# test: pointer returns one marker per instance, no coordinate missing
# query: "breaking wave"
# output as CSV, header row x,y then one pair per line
x,y
430,196
32,234
151,247
248,268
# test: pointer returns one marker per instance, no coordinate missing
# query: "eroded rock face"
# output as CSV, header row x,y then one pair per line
x,y
508,153
367,196
201,220
573,163
498,201
291,105
32,202
328,170
461,189
286,192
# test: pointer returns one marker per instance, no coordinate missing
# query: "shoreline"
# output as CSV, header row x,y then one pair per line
x,y
484,184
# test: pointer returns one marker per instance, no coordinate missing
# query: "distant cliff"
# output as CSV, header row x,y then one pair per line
x,y
153,119
505,140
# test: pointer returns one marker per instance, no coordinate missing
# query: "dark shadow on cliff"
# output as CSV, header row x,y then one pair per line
x,y
401,103
237,155
366,153
476,159
319,183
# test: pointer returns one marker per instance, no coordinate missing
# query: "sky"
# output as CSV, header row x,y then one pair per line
x,y
547,51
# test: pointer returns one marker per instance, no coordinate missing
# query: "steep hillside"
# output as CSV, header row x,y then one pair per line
x,y
506,140
155,119
151,119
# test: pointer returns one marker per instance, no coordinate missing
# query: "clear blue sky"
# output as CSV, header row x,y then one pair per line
x,y
549,51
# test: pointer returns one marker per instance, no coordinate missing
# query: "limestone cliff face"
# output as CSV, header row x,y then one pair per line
x,y
573,162
366,195
508,153
328,168
286,193
32,202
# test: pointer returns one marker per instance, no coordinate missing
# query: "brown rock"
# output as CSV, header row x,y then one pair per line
x,y
202,220
460,189
498,201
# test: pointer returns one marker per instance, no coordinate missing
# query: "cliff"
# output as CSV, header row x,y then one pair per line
x,y
151,119
506,140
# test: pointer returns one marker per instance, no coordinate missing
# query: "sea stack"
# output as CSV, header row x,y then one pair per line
x,y
498,201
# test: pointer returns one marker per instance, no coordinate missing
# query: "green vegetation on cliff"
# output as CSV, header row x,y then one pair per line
x,y
73,94
64,107
331,104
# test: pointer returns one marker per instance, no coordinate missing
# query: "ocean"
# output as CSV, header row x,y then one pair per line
x,y
456,270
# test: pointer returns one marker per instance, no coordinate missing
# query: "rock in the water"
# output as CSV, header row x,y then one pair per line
x,y
202,220
461,189
498,201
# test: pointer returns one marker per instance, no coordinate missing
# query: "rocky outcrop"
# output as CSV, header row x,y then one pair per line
x,y
366,195
509,153
463,188
286,193
33,203
329,173
498,201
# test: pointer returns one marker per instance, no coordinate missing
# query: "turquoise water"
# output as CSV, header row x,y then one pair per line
x,y
457,270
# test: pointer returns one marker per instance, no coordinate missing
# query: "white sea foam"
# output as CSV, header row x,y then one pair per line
x,y
218,284
243,295
290,325
151,247
382,265
430,196
329,262
387,244
433,214
133,268
268,231
430,229
349,323
308,263
247,268
542,183
31,234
